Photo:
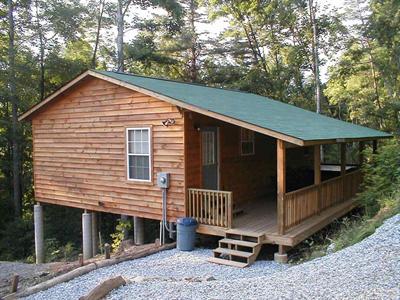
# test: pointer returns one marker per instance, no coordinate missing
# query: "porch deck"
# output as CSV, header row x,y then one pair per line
x,y
259,218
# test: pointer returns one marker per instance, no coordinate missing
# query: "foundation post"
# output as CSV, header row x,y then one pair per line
x,y
95,236
138,230
39,240
87,235
281,256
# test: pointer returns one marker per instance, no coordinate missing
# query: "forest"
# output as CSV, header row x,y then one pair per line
x,y
342,62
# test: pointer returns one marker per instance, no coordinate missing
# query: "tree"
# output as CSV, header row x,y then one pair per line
x,y
364,85
275,41
172,8
55,22
14,104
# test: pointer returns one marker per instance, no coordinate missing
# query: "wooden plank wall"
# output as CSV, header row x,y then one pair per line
x,y
248,177
80,153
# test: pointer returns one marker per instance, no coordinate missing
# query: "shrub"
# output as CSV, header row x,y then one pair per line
x,y
16,240
118,235
381,177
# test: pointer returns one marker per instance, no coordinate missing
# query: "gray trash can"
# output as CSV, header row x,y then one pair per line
x,y
186,234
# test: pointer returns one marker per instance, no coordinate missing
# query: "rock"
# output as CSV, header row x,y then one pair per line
x,y
210,278
331,248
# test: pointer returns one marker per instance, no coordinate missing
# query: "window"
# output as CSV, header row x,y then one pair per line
x,y
138,152
246,141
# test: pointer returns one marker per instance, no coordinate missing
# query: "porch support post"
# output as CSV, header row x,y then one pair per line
x,y
281,184
138,230
95,235
317,173
87,235
38,221
281,256
374,146
343,168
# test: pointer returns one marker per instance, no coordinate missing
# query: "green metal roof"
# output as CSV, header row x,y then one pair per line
x,y
253,109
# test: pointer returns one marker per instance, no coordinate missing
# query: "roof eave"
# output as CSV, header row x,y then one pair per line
x,y
290,139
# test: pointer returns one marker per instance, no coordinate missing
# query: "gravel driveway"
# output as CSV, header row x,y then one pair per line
x,y
368,270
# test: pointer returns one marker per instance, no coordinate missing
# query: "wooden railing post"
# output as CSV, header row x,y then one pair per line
x,y
211,207
317,174
281,184
229,211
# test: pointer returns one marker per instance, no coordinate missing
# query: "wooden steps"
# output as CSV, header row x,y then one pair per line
x,y
237,249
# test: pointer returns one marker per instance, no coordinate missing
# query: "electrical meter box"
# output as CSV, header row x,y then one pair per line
x,y
163,180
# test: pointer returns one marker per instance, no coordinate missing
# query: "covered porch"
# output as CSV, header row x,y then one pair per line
x,y
307,210
279,192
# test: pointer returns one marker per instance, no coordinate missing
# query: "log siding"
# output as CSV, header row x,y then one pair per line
x,y
80,151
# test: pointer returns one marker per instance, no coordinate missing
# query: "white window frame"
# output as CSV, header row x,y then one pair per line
x,y
247,141
149,155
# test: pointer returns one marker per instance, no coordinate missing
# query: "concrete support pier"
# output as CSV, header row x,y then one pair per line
x,y
39,239
95,234
138,230
281,256
87,235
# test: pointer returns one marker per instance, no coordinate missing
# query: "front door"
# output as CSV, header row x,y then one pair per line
x,y
209,149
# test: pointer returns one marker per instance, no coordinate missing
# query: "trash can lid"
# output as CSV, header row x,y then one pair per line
x,y
187,221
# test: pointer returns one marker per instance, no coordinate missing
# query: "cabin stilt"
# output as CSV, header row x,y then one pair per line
x,y
87,235
39,244
138,230
281,256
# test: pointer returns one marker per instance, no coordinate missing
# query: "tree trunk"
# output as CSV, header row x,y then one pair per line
x,y
314,46
41,59
99,21
193,48
14,103
120,37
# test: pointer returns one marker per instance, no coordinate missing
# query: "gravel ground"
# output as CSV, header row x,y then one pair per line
x,y
368,270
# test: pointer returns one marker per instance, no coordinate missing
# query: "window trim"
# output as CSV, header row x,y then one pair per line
x,y
149,155
253,141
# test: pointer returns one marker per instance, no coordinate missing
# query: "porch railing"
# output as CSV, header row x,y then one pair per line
x,y
210,207
306,202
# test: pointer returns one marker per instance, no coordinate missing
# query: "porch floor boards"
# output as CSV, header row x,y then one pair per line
x,y
259,217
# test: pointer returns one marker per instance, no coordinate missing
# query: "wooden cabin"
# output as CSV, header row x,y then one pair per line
x,y
247,167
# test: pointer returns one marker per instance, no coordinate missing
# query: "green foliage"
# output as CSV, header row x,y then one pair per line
x,y
16,240
54,251
364,86
381,177
119,234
